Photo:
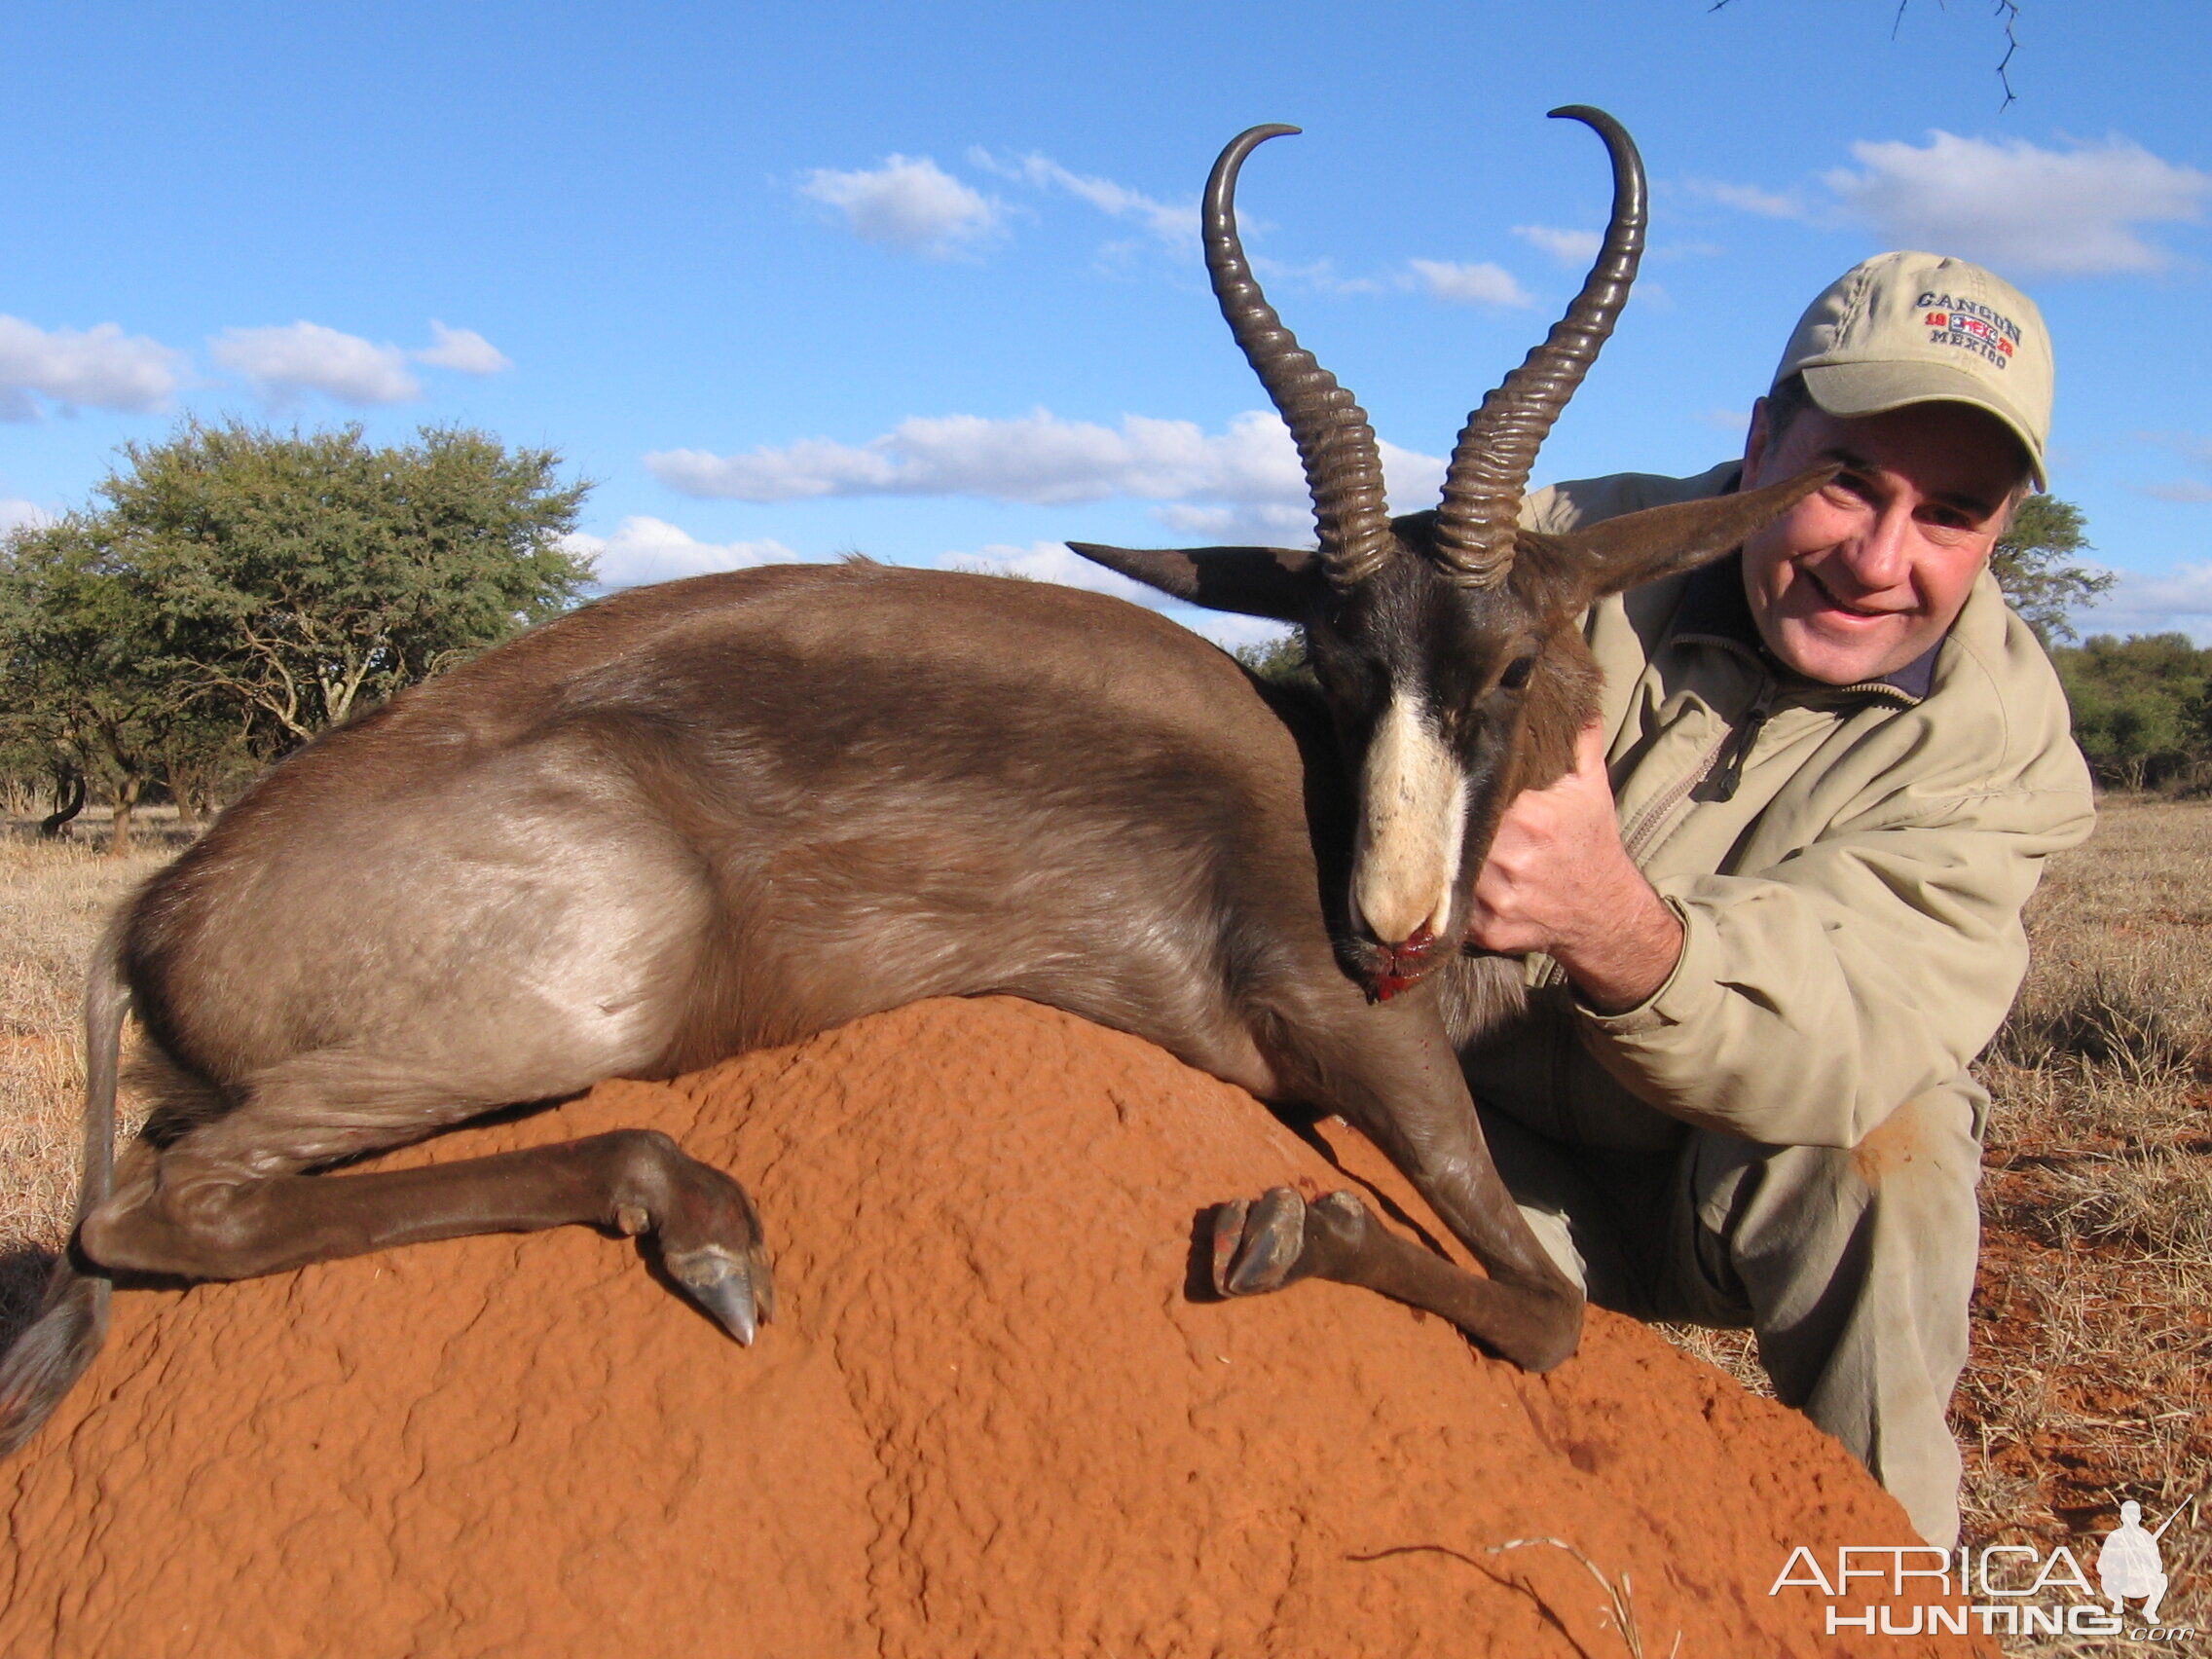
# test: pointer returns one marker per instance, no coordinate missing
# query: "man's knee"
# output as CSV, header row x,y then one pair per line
x,y
1909,1186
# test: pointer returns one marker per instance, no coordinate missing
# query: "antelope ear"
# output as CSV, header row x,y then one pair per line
x,y
1276,582
1636,549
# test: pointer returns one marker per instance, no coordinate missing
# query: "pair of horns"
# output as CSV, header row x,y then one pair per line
x,y
1497,447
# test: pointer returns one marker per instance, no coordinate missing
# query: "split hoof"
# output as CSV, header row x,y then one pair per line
x,y
1256,1245
711,1246
737,1290
1280,1238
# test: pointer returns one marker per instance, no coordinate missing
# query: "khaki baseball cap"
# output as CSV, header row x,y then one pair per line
x,y
1906,328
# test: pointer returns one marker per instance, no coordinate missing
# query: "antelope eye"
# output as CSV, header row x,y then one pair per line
x,y
1517,673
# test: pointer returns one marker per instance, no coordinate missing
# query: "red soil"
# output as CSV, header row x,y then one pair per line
x,y
988,1420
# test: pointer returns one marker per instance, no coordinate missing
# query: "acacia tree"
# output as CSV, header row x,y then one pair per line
x,y
2142,707
244,589
2035,563
302,577
83,677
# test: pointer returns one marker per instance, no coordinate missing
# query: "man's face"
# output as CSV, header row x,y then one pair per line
x,y
1864,574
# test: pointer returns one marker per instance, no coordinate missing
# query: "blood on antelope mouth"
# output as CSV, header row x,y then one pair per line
x,y
1390,968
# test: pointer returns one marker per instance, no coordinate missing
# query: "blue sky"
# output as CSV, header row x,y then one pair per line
x,y
922,281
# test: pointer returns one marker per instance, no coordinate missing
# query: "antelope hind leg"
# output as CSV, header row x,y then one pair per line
x,y
199,1218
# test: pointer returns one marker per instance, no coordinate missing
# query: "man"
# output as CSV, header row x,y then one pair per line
x,y
1776,910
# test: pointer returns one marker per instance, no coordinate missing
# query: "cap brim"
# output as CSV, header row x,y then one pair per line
x,y
1848,390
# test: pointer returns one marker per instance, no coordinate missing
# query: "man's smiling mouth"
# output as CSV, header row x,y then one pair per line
x,y
1834,602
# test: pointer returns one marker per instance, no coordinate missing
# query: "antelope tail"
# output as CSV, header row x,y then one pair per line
x,y
48,1357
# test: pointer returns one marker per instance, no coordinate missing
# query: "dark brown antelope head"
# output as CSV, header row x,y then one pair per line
x,y
1446,643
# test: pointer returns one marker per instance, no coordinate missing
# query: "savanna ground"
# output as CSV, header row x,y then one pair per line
x,y
2091,1374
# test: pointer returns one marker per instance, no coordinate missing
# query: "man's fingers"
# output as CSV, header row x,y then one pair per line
x,y
1493,927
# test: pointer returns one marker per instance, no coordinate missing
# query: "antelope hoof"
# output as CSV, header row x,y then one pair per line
x,y
738,1290
1257,1246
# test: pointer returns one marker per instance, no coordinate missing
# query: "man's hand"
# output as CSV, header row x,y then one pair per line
x,y
1557,881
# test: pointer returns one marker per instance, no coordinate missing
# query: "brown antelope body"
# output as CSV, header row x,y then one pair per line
x,y
731,812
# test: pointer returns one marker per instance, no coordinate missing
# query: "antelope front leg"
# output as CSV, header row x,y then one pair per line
x,y
1396,1077
1280,1239
201,1219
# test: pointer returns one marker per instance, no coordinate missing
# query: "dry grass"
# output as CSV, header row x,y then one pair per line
x,y
2091,1376
2091,1380
53,898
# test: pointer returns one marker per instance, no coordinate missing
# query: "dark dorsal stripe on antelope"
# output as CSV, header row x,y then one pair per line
x,y
731,812
1444,641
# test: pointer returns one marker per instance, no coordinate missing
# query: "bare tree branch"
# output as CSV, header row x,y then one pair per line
x,y
2010,10
2007,10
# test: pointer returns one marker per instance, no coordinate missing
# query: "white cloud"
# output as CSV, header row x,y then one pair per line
x,y
1484,284
1569,247
1052,562
1319,274
1036,457
1733,421
653,550
281,363
19,514
1252,524
2055,212
908,203
464,349
2191,446
2185,591
1414,480
1247,476
101,368
1747,198
1175,223
2178,602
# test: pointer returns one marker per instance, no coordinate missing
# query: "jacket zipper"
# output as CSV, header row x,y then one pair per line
x,y
1722,784
1728,755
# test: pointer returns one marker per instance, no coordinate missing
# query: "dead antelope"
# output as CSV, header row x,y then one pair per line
x,y
731,812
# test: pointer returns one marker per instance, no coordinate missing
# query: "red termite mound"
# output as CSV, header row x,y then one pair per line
x,y
988,1420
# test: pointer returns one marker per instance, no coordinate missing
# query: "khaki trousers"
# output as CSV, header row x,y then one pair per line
x,y
1854,1268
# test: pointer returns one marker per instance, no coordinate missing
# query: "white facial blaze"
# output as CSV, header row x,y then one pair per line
x,y
1412,819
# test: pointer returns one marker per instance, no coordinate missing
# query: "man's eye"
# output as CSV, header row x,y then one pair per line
x,y
1517,673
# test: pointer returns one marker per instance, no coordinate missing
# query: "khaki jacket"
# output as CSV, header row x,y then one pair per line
x,y
1851,913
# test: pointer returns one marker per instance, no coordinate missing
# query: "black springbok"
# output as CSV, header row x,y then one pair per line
x,y
731,812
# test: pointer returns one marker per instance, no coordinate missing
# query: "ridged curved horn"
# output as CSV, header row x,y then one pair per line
x,y
1343,464
1497,448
